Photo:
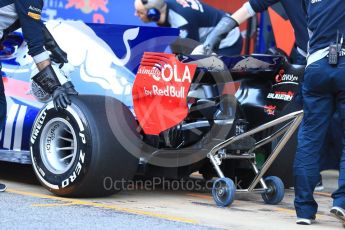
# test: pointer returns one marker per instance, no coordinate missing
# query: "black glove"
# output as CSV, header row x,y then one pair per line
x,y
60,98
57,54
61,95
224,26
70,88
49,82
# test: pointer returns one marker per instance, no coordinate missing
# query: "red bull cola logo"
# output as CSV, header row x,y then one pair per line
x,y
97,7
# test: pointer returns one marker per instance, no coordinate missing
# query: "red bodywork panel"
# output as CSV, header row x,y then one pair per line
x,y
160,91
17,88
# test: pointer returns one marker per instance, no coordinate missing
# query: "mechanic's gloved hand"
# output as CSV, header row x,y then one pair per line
x,y
69,87
57,55
60,98
61,95
54,83
224,26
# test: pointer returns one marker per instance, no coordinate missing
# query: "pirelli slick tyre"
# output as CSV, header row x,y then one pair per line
x,y
76,153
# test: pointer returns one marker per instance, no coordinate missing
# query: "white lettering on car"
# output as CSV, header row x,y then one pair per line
x,y
284,96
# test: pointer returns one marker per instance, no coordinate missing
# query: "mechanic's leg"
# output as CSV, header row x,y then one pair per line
x,y
318,107
339,85
3,109
330,156
233,50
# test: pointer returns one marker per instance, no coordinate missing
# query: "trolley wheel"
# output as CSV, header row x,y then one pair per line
x,y
223,191
276,190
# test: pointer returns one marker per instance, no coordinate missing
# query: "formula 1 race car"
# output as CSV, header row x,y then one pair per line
x,y
170,116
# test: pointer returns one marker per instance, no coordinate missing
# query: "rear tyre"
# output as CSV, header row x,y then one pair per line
x,y
75,152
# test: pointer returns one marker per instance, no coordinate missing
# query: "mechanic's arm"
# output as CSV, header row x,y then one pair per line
x,y
49,79
29,13
228,23
250,8
190,31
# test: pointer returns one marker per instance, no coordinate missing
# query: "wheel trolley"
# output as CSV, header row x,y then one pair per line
x,y
272,187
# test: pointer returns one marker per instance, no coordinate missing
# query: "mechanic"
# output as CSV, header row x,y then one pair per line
x,y
27,15
194,19
323,91
297,18
249,9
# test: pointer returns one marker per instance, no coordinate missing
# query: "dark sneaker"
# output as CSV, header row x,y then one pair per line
x,y
319,187
2,187
338,213
303,221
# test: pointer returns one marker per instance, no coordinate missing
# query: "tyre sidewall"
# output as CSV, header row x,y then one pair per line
x,y
68,180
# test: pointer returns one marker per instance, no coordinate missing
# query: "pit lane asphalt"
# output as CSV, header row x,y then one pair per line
x,y
27,205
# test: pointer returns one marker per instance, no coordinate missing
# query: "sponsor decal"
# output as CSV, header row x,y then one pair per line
x,y
270,109
109,72
160,91
96,11
284,96
283,77
38,126
168,73
35,9
90,6
34,16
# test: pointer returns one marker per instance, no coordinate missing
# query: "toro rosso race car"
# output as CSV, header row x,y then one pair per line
x,y
151,113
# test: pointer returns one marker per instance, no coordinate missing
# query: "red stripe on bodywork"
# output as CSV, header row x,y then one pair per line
x,y
17,88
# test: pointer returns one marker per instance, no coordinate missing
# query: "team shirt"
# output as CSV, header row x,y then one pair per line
x,y
196,20
295,13
27,15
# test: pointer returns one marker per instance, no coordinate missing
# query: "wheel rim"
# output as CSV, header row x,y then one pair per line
x,y
271,190
222,191
58,146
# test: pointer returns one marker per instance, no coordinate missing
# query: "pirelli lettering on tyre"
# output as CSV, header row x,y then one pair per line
x,y
76,171
82,136
38,126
